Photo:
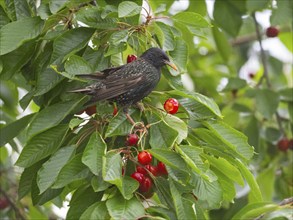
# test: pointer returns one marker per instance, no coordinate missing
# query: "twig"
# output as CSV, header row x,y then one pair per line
x,y
287,201
18,213
265,72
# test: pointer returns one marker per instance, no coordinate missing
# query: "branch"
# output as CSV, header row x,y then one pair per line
x,y
265,72
287,201
18,213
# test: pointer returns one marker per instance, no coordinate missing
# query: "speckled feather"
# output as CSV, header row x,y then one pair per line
x,y
129,83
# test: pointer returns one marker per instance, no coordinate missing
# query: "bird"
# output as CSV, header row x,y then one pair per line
x,y
127,84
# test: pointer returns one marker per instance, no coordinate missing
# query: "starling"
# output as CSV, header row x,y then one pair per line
x,y
127,84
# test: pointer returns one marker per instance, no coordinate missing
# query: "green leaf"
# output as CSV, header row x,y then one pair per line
x,y
51,168
128,9
286,94
198,106
254,210
255,193
47,80
41,146
112,167
281,13
15,60
177,200
209,194
81,200
51,116
119,125
161,134
222,43
169,158
99,184
93,18
234,84
97,210
286,40
231,137
41,199
227,169
253,5
167,40
232,20
77,65
70,42
128,186
267,102
181,127
191,155
72,171
14,34
266,181
11,130
119,208
179,55
227,186
191,19
94,152
26,179
119,37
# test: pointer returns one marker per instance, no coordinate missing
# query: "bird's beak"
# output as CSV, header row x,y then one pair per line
x,y
172,65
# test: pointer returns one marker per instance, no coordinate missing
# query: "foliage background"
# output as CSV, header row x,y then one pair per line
x,y
45,43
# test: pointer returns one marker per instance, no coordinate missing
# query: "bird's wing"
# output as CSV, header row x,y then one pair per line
x,y
118,87
101,74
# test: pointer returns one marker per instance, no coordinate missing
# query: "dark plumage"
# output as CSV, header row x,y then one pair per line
x,y
129,83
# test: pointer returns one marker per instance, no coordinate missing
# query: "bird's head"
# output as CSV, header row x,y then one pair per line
x,y
157,57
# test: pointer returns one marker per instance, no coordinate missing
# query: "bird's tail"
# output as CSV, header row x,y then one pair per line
x,y
84,91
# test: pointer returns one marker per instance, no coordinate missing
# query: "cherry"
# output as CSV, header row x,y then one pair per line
x,y
3,203
272,32
153,169
91,110
139,177
162,169
144,157
132,139
171,106
283,144
115,110
145,185
142,170
131,57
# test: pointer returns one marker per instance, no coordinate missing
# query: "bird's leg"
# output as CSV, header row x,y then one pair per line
x,y
130,119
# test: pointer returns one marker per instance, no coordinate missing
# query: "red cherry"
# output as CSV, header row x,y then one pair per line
x,y
144,157
3,203
142,170
283,144
132,139
145,185
131,58
272,32
153,169
115,111
91,110
171,106
138,177
162,169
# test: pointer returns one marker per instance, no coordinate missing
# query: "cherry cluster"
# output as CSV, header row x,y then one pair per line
x,y
145,170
